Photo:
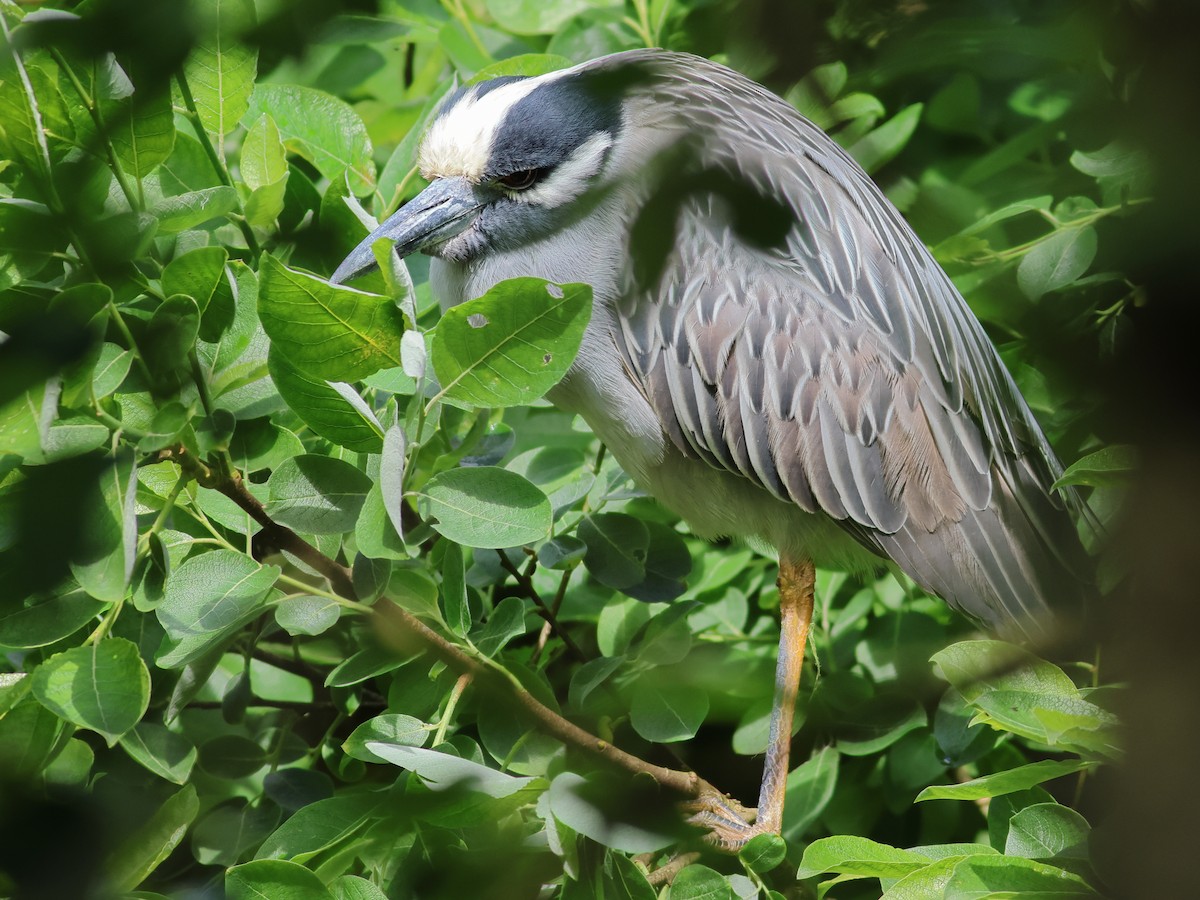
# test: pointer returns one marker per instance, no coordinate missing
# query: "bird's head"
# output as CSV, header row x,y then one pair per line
x,y
508,161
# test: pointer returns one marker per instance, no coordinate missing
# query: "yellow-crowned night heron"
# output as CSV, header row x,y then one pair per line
x,y
773,354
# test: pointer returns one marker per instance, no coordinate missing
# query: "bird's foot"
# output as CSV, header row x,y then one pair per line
x,y
730,825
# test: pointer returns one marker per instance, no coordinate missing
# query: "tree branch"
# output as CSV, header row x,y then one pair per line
x,y
284,538
406,630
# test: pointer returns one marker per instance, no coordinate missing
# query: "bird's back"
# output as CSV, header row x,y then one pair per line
x,y
832,362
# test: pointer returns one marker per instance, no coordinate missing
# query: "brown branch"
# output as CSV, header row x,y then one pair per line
x,y
284,538
403,627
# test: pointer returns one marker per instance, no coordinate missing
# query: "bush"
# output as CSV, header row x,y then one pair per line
x,y
307,595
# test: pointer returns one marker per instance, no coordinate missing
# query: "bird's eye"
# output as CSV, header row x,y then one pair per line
x,y
520,180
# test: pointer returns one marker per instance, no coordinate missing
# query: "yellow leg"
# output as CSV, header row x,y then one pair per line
x,y
795,615
727,821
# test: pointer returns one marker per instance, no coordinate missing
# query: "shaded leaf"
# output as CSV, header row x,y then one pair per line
x,y
103,686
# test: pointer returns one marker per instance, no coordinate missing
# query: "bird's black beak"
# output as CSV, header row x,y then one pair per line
x,y
446,208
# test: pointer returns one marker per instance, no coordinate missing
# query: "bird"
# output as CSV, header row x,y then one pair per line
x,y
772,353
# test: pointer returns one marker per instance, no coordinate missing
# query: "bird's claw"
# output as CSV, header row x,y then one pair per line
x,y
729,824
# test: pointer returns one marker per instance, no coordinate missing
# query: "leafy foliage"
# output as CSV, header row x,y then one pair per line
x,y
240,505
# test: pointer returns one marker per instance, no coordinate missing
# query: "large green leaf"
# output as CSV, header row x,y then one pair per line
x,y
103,686
317,494
274,878
209,598
323,129
1047,831
485,507
511,345
326,330
666,713
1006,782
221,68
1057,261
103,565
323,408
152,842
142,126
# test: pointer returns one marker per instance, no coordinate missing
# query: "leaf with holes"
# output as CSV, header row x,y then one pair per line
x,y
511,345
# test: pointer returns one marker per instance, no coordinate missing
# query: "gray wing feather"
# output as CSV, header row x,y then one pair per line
x,y
844,372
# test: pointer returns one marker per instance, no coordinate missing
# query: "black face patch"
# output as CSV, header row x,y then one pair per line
x,y
545,127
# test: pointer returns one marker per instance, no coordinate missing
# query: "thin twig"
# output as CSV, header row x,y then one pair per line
x,y
525,583
664,874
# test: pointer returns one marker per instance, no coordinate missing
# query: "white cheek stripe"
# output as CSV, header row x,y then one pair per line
x,y
570,177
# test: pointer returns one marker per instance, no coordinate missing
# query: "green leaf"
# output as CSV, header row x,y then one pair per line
x,y
506,622
617,546
103,564
263,160
221,68
111,369
28,732
307,615
591,675
317,826
485,507
1000,876
389,728
317,494
534,17
391,476
700,883
572,803
1113,465
858,856
208,599
325,410
328,331
441,771
231,756
264,170
143,851
323,129
975,667
142,127
667,713
763,853
351,887
1019,779
227,831
276,879
623,879
1057,261
511,345
200,274
527,65
455,609
810,787
104,686
184,211
47,620
165,753
1047,831
878,147
13,688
